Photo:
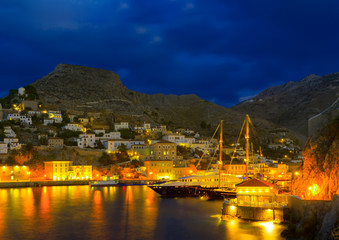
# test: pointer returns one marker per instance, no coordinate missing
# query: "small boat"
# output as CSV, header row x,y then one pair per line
x,y
218,193
104,183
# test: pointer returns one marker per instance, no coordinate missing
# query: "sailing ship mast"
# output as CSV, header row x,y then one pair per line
x,y
220,153
247,137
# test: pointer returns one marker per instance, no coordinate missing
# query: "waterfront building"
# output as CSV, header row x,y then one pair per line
x,y
14,173
80,172
57,170
159,169
64,170
256,193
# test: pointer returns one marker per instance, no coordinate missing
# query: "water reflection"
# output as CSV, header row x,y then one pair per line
x,y
132,212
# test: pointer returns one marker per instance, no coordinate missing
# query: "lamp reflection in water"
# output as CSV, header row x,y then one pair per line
x,y
269,226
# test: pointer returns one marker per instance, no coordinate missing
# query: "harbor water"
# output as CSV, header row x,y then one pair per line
x,y
129,212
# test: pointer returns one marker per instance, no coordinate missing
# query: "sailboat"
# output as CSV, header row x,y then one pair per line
x,y
196,185
222,192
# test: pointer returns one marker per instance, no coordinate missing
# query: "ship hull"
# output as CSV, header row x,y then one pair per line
x,y
176,191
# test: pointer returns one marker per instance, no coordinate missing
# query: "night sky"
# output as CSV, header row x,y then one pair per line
x,y
223,51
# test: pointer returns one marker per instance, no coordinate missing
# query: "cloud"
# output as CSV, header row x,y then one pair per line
x,y
221,50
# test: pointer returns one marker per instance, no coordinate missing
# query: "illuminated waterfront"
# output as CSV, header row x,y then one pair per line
x,y
133,212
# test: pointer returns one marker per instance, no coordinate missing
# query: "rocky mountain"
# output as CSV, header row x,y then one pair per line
x,y
292,104
95,90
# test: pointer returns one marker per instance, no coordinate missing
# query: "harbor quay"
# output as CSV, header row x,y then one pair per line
x,y
42,183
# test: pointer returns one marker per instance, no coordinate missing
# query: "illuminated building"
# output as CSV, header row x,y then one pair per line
x,y
14,173
256,193
164,150
57,170
159,169
64,170
80,172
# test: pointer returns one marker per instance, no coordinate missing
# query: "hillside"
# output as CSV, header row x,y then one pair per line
x,y
95,90
292,104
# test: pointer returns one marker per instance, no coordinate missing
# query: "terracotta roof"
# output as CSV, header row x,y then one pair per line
x,y
255,183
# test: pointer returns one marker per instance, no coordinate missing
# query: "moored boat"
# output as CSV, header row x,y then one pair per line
x,y
104,183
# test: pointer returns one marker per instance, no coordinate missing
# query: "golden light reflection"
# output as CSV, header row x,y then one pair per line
x,y
28,204
269,226
3,202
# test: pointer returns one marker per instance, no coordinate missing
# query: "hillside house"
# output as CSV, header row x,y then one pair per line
x,y
86,140
121,125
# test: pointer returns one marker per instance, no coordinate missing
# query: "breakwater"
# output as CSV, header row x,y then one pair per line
x,y
19,184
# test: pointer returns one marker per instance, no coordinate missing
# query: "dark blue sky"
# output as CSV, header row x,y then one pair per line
x,y
223,51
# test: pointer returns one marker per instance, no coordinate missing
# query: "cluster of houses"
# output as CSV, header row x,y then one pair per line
x,y
159,155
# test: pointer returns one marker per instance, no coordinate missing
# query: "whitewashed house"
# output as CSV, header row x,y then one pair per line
x,y
25,120
3,148
86,140
48,121
112,145
56,116
176,138
9,132
121,125
75,127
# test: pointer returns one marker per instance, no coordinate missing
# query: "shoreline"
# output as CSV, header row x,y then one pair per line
x,y
43,183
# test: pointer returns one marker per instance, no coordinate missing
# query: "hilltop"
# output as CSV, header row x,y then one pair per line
x,y
291,105
88,89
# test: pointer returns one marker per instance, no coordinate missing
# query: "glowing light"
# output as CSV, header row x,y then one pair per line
x,y
314,189
54,177
4,167
29,173
232,208
269,226
296,173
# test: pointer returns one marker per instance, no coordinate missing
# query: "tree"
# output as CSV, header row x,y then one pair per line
x,y
105,159
127,133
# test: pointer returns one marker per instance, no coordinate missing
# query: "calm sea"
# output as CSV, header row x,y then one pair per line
x,y
133,212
